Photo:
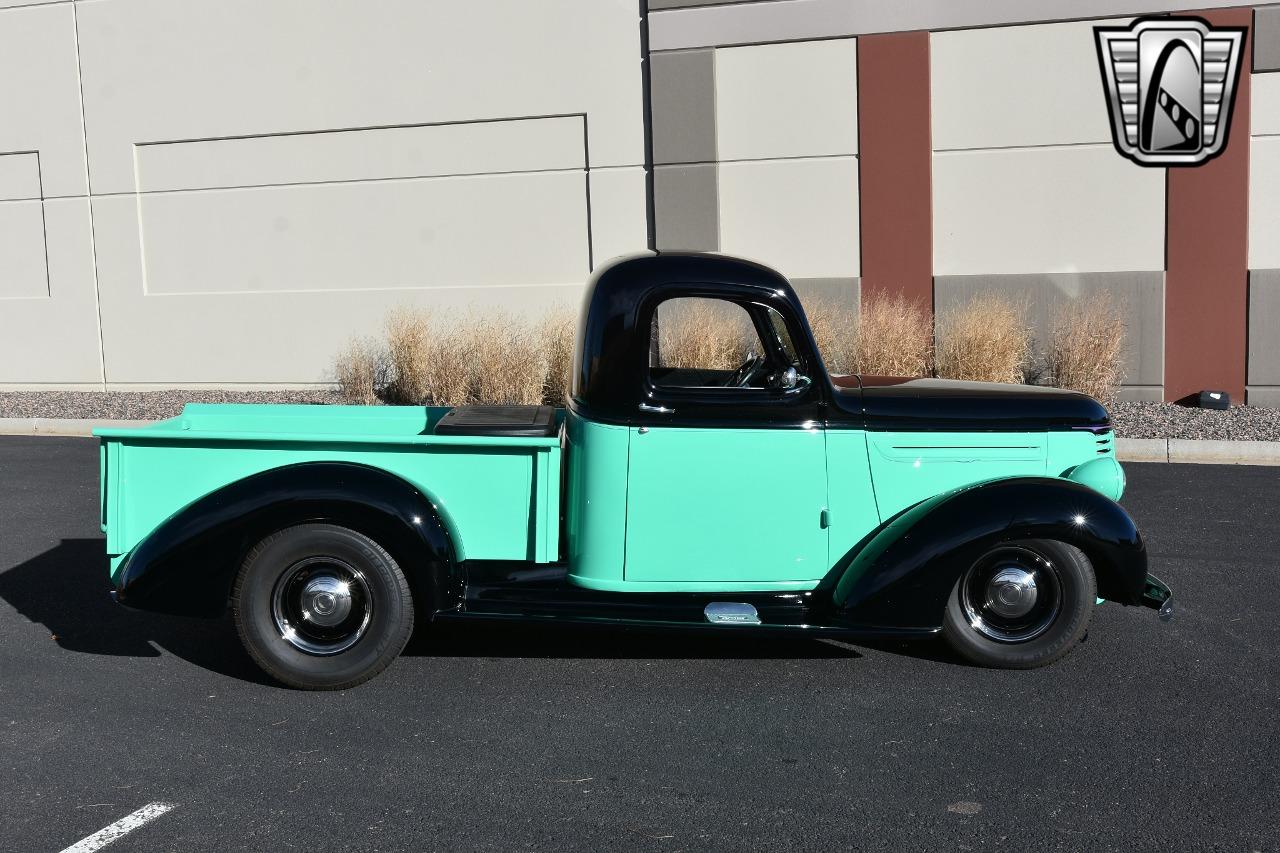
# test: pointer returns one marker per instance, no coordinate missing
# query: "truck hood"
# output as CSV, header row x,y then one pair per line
x,y
907,404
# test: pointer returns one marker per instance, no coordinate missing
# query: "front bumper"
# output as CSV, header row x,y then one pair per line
x,y
1158,597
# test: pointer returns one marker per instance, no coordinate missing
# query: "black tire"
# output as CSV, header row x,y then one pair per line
x,y
321,607
983,623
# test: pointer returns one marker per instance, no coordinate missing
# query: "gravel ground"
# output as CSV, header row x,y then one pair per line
x,y
138,405
1168,420
1133,419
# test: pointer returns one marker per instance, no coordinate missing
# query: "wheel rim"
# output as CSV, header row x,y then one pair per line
x,y
1011,595
321,606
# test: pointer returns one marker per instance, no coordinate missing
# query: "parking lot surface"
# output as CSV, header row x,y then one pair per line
x,y
1149,736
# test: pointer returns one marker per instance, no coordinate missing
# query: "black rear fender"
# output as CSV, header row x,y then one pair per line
x,y
188,564
903,573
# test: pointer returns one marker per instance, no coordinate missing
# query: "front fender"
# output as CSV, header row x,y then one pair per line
x,y
902,574
188,563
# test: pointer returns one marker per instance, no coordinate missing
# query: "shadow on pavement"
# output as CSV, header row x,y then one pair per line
x,y
66,590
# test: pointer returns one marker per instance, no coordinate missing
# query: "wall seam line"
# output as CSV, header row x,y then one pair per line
x,y
88,186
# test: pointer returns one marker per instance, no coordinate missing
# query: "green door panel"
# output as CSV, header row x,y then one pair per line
x,y
740,506
850,497
595,501
908,467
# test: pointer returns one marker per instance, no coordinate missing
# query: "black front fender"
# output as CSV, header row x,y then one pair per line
x,y
902,574
188,563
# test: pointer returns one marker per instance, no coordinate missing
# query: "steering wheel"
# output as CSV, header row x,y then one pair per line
x,y
742,377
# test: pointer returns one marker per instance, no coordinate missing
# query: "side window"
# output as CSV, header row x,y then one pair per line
x,y
701,342
785,344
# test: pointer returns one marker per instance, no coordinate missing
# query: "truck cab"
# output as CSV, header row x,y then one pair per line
x,y
681,487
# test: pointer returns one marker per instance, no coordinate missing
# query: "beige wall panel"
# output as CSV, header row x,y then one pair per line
x,y
19,176
156,70
356,155
787,100
1074,209
1264,112
1264,203
271,337
22,258
40,95
449,232
799,216
618,213
53,337
1007,86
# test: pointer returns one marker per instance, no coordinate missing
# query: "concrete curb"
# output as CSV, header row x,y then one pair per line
x,y
60,426
1199,451
1127,449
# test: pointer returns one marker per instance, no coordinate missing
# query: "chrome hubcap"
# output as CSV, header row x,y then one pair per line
x,y
321,606
1011,595
1012,592
326,600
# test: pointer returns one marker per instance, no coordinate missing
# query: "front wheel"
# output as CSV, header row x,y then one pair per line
x,y
322,607
1021,604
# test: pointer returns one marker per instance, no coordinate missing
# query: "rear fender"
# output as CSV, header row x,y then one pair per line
x,y
188,564
903,573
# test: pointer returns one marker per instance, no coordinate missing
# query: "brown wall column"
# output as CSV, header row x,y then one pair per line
x,y
895,165
1207,261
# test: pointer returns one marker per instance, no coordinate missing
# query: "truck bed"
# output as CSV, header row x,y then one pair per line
x,y
498,494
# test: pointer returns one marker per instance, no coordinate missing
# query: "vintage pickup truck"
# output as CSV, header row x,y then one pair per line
x,y
773,497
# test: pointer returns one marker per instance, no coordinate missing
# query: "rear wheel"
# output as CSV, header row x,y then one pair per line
x,y
1021,604
322,607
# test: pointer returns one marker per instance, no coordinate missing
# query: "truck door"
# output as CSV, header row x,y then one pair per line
x,y
727,479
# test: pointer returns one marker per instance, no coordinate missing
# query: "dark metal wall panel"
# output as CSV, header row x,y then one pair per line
x,y
686,201
1266,39
1138,295
683,106
1264,328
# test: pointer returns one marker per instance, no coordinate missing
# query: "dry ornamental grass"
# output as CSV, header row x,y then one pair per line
x,y
1086,347
698,333
455,360
495,358
361,371
895,337
835,330
986,340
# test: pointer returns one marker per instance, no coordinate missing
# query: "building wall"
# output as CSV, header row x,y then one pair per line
x,y
755,153
1264,212
1025,194
222,191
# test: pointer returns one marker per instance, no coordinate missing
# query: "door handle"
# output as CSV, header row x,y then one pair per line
x,y
657,410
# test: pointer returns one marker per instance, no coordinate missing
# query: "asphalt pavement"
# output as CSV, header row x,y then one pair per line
x,y
1149,736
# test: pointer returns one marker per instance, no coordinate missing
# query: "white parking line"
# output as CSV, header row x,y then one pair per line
x,y
120,828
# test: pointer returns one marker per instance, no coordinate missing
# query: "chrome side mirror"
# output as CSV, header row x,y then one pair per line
x,y
788,378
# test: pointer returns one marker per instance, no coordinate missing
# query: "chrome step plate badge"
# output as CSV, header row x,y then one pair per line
x,y
731,613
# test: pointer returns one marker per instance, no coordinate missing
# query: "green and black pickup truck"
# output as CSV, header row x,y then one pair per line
x,y
772,497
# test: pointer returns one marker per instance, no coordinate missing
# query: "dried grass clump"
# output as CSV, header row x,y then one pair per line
x,y
835,330
895,337
1086,347
447,359
555,334
986,340
701,333
362,370
428,364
